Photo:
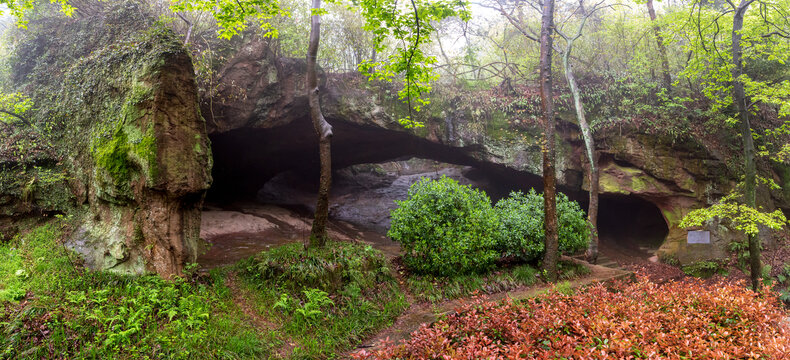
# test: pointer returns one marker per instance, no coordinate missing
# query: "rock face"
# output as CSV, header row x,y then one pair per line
x,y
117,97
268,113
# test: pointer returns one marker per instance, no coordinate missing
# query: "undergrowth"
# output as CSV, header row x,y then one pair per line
x,y
435,288
686,320
52,309
308,304
325,300
705,269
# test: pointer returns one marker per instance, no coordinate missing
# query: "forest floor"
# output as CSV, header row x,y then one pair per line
x,y
245,229
291,224
422,313
227,307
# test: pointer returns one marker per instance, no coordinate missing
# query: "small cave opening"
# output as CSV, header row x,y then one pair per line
x,y
629,227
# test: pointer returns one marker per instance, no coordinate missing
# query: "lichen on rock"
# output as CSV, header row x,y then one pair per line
x,y
117,90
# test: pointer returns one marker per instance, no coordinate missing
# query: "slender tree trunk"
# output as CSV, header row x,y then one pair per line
x,y
318,233
739,96
549,172
662,49
589,144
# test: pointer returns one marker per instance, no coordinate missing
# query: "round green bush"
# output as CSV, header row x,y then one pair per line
x,y
521,232
574,229
521,225
445,228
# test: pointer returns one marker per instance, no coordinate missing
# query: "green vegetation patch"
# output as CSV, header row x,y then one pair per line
x,y
521,234
128,148
52,309
325,299
445,228
435,289
782,285
705,269
449,229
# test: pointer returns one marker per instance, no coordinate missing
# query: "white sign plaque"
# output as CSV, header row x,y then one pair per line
x,y
699,237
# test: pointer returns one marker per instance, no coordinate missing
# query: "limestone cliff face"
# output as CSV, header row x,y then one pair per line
x,y
117,97
269,108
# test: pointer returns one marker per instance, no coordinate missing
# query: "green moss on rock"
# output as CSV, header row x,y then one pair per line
x,y
125,128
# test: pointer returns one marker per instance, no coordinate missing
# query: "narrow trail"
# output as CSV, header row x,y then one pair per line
x,y
289,225
241,297
427,313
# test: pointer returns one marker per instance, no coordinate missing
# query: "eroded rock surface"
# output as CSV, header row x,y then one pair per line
x,y
125,146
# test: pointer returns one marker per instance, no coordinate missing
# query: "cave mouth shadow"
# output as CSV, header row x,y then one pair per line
x,y
631,224
246,159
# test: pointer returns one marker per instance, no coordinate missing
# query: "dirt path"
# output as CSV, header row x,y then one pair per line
x,y
282,222
427,313
241,297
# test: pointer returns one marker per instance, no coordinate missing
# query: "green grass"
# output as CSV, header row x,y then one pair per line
x,y
571,270
51,309
325,300
705,269
436,289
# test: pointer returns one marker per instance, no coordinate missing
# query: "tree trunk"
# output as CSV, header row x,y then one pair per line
x,y
662,49
589,144
549,173
318,233
739,96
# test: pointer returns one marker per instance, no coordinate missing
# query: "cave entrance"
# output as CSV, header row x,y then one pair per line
x,y
630,229
361,198
272,174
364,194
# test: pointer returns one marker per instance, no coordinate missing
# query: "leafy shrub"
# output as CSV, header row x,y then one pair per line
x,y
521,232
445,228
329,268
636,320
704,269
574,230
327,299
